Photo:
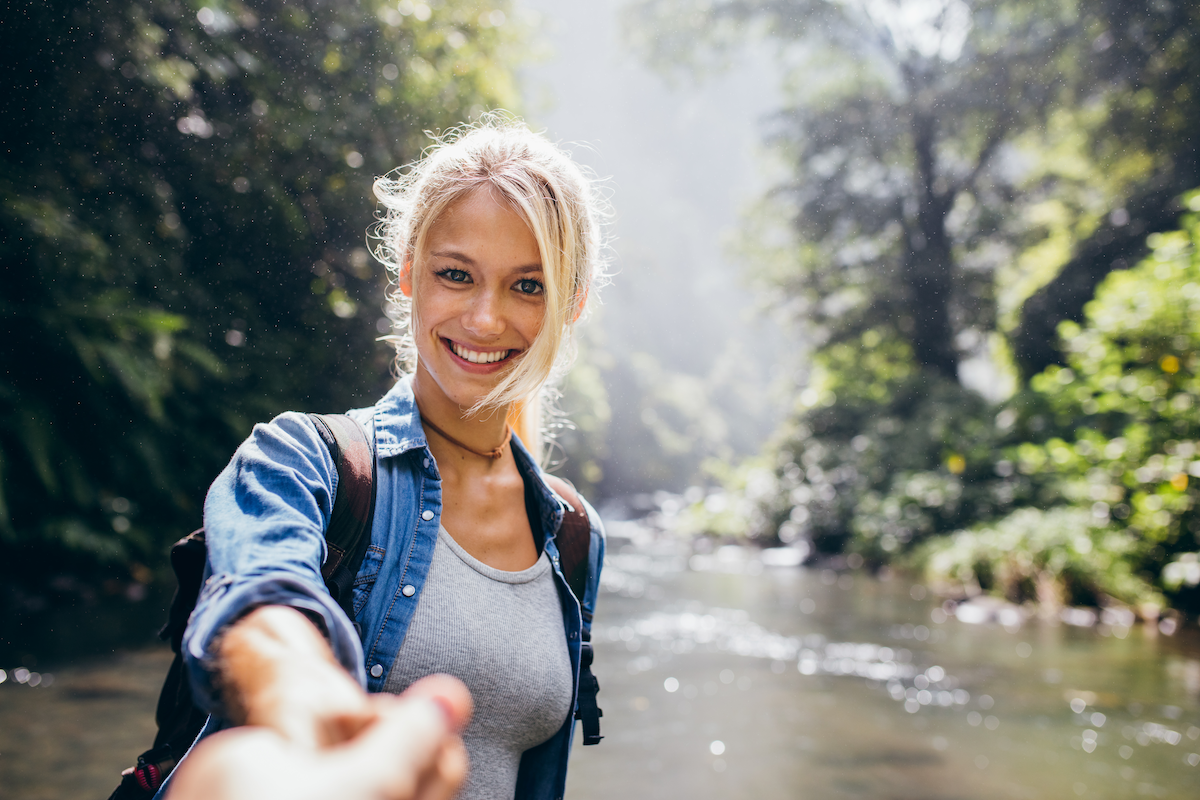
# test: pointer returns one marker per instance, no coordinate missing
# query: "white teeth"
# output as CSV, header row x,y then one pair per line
x,y
476,357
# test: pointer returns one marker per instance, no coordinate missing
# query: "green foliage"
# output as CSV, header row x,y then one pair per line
x,y
1123,461
1115,159
1081,489
1064,555
894,191
878,476
587,414
666,426
184,190
947,168
741,509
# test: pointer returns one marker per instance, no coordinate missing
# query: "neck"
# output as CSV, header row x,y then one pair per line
x,y
494,453
452,432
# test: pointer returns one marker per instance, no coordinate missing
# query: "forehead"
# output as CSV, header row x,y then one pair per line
x,y
483,218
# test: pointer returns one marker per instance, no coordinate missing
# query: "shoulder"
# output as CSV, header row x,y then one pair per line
x,y
291,430
564,489
579,505
289,438
284,455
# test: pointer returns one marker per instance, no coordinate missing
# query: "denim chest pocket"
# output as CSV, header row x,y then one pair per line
x,y
367,573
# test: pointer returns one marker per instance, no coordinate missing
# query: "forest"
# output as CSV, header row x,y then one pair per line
x,y
186,189
986,227
983,225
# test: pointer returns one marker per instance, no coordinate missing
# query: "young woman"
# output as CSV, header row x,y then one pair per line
x,y
494,242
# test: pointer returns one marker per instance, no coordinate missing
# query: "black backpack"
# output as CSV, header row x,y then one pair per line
x,y
346,539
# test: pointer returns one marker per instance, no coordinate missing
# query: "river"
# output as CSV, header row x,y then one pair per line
x,y
724,678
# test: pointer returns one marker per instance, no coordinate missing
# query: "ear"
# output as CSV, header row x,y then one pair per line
x,y
405,281
580,304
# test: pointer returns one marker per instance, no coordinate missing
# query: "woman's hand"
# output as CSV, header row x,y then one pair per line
x,y
277,672
408,750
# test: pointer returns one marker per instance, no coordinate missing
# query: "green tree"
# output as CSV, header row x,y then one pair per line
x,y
1120,471
184,190
942,162
1139,64
918,138
894,191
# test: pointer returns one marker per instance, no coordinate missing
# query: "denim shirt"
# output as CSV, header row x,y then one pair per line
x,y
265,517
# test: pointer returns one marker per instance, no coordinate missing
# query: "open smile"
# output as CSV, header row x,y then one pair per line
x,y
479,358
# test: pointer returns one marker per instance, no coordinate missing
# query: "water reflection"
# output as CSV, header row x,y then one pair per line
x,y
724,675
20,675
832,684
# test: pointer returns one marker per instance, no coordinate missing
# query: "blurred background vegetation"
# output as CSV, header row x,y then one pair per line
x,y
978,231
184,194
983,226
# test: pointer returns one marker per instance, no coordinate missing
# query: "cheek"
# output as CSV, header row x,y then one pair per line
x,y
530,321
430,310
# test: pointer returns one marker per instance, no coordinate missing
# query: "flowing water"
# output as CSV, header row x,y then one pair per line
x,y
725,678
729,679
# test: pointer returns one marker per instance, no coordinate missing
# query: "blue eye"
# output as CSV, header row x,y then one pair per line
x,y
454,275
529,286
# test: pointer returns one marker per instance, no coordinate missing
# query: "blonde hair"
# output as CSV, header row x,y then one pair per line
x,y
564,212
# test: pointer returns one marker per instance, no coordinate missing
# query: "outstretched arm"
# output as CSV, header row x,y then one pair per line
x,y
312,732
264,519
275,670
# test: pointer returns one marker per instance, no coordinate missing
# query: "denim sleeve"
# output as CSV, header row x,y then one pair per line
x,y
264,521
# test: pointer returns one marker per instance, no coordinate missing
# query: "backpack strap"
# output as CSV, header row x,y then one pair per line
x,y
347,537
349,531
574,541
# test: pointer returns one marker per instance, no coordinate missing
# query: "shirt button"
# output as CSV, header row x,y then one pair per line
x,y
427,515
409,590
427,463
572,636
377,670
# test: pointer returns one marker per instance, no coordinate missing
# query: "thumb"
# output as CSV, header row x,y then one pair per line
x,y
410,750
448,692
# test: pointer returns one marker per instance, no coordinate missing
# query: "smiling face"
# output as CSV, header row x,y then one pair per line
x,y
478,301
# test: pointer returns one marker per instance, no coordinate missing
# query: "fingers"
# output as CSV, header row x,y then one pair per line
x,y
442,782
411,751
344,726
408,753
450,693
401,748
443,779
231,765
408,735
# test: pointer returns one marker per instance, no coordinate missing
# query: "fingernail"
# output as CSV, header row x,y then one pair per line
x,y
447,710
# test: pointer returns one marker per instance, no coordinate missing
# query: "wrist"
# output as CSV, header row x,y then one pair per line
x,y
260,653
276,670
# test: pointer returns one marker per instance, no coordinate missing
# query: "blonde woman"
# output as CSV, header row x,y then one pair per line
x,y
494,242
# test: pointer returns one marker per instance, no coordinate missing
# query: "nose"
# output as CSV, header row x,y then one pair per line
x,y
485,315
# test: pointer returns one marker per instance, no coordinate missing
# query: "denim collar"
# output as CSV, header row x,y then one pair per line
x,y
398,430
397,421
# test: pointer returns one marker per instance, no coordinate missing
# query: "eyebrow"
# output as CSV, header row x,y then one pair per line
x,y
465,259
454,254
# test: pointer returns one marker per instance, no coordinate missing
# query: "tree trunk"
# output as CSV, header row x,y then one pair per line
x,y
1035,341
929,263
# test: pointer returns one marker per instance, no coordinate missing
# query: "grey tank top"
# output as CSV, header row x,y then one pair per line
x,y
502,634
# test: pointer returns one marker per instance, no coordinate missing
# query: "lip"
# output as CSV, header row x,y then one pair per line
x,y
479,369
